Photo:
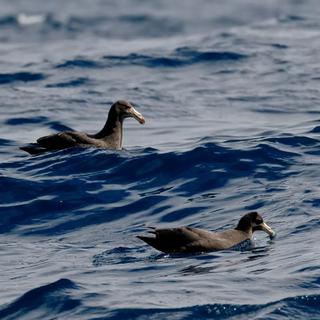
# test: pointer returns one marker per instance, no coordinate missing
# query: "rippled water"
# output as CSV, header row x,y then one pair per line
x,y
230,93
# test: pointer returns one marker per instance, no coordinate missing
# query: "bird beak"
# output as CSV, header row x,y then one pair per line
x,y
267,229
137,115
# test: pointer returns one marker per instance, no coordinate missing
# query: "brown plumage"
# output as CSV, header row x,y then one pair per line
x,y
187,239
110,137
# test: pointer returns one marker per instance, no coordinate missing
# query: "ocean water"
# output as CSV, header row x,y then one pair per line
x,y
230,93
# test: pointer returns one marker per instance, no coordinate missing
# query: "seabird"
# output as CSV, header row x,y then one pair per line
x,y
191,240
110,137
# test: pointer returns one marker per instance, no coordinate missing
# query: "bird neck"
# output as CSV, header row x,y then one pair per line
x,y
112,130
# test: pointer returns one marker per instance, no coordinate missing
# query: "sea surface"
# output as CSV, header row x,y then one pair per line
x,y
230,93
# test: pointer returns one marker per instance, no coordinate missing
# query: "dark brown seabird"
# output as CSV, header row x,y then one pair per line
x,y
187,239
110,137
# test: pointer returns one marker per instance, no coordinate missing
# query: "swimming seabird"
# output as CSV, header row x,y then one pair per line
x,y
188,239
110,137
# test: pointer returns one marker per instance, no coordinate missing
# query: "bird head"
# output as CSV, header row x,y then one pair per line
x,y
254,222
126,109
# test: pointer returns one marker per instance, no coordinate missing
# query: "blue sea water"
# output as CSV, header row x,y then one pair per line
x,y
230,93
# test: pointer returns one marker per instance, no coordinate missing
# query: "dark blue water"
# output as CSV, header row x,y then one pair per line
x,y
230,93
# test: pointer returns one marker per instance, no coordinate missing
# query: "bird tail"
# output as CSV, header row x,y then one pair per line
x,y
149,240
153,242
33,148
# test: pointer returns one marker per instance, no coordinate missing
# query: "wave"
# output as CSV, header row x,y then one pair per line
x,y
69,84
23,19
54,125
5,142
147,25
67,190
43,302
61,299
298,307
294,140
180,57
81,63
316,129
6,78
118,255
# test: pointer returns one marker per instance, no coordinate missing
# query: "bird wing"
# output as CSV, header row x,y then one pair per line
x,y
181,235
206,244
191,239
172,239
188,239
62,140
235,236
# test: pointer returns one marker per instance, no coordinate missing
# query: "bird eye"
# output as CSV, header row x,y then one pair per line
x,y
258,221
124,106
